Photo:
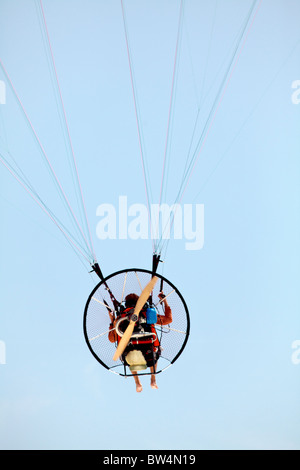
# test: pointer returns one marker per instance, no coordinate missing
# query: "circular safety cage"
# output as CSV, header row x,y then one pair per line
x,y
172,337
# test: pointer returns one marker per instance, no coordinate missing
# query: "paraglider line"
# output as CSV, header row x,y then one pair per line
x,y
67,126
171,98
218,104
221,99
43,208
40,144
136,113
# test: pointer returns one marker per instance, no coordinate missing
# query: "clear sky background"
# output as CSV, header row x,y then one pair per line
x,y
236,385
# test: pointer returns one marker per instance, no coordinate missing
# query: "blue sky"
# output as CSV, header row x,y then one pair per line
x,y
235,386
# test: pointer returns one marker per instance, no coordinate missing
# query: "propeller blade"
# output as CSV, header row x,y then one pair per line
x,y
124,340
145,295
129,330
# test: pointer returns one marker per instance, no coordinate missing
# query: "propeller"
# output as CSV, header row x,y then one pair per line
x,y
134,318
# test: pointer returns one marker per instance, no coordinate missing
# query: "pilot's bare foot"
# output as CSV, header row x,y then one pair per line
x,y
154,384
138,384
